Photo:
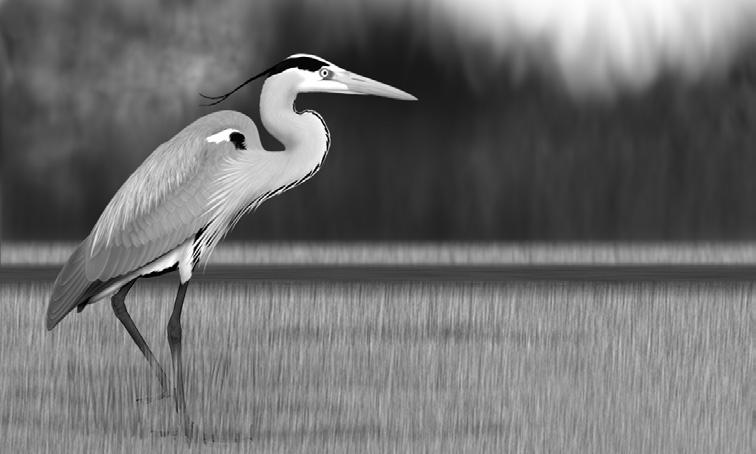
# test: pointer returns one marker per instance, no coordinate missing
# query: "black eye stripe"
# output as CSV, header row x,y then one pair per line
x,y
306,63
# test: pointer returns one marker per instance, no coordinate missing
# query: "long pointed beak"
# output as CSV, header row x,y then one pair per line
x,y
359,85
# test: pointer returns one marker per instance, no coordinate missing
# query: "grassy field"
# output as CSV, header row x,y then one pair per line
x,y
391,366
428,253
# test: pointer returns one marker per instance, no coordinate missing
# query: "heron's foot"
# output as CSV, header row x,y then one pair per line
x,y
192,432
150,399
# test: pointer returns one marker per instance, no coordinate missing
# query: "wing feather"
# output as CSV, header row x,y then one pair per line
x,y
164,202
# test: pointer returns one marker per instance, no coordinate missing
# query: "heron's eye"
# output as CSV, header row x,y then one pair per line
x,y
325,73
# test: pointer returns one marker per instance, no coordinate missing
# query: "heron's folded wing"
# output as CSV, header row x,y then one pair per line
x,y
162,204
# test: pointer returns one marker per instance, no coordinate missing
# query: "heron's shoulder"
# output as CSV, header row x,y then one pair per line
x,y
211,126
223,119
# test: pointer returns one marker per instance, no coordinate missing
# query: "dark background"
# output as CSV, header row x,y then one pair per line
x,y
503,145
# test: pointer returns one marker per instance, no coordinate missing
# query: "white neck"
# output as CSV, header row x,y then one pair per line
x,y
303,134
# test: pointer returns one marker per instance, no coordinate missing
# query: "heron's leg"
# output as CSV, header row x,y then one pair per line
x,y
174,341
119,308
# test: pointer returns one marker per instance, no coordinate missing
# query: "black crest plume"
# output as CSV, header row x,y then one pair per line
x,y
302,62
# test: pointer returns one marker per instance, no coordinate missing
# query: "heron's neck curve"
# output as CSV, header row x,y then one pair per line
x,y
304,135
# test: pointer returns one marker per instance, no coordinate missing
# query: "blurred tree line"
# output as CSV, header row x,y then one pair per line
x,y
90,88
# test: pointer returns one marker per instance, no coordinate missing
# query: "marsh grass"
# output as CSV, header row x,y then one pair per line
x,y
430,253
424,367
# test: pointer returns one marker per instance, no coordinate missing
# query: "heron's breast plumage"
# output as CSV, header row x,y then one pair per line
x,y
250,177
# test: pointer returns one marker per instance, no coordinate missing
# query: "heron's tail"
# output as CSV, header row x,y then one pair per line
x,y
71,283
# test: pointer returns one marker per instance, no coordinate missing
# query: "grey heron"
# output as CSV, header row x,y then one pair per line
x,y
178,204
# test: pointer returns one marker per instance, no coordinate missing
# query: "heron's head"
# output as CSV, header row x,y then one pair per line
x,y
321,76
304,73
